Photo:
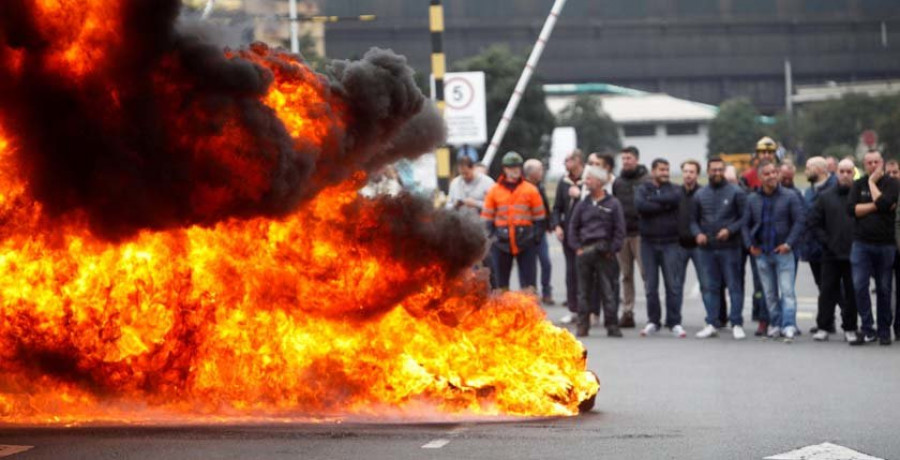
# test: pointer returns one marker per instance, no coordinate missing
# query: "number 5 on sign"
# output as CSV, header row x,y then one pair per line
x,y
465,112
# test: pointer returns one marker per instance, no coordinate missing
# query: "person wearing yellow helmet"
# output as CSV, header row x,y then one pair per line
x,y
765,151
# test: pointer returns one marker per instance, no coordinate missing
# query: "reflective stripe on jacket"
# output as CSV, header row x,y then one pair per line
x,y
519,207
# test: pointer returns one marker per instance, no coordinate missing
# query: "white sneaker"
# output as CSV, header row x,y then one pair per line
x,y
707,332
649,329
850,336
774,332
568,319
821,335
678,331
789,333
738,332
595,319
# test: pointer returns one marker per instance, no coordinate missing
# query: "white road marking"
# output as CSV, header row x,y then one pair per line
x,y
6,451
825,451
436,444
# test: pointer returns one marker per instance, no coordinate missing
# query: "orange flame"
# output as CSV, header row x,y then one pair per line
x,y
309,316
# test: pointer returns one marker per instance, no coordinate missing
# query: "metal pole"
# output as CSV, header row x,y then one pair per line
x,y
523,81
789,98
210,4
438,69
884,35
295,28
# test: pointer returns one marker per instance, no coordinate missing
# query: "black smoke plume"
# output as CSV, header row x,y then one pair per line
x,y
171,131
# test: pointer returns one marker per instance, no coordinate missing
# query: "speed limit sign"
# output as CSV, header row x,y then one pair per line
x,y
465,111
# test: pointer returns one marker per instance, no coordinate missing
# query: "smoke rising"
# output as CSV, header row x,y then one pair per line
x,y
166,130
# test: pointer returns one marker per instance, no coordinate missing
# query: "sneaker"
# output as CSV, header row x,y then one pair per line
x,y
774,332
850,336
870,338
862,339
679,331
595,319
627,321
789,333
761,330
547,300
565,303
738,332
614,332
820,335
649,329
569,318
707,332
885,341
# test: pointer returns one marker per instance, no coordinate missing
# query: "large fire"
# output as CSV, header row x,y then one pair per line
x,y
338,306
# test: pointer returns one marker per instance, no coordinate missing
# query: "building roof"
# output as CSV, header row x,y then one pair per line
x,y
655,108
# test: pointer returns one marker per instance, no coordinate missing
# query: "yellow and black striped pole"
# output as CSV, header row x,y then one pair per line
x,y
438,69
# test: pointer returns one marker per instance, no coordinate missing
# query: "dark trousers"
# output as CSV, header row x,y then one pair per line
x,y
836,288
897,288
873,261
665,258
525,261
543,257
571,278
600,270
759,311
816,268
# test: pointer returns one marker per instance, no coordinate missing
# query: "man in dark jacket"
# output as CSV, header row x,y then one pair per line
x,y
632,175
596,233
568,193
873,199
657,204
834,232
820,181
774,225
688,249
716,225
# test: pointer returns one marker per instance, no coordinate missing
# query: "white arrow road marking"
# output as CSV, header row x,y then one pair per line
x,y
436,444
6,451
825,451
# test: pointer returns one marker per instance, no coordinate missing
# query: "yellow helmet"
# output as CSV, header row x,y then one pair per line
x,y
766,144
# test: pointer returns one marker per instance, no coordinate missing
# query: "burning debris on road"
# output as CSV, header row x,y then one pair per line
x,y
182,238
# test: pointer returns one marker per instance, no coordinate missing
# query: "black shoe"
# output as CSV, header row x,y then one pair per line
x,y
547,300
614,332
863,339
885,341
762,329
627,321
565,303
582,330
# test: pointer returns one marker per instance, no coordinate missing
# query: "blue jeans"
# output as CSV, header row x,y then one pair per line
x,y
777,273
663,257
873,261
544,261
722,267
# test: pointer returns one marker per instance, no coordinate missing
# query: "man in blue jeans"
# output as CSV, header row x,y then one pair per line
x,y
716,224
534,173
872,203
773,227
657,205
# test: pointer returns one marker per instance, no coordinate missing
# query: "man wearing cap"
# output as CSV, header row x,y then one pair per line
x,y
515,218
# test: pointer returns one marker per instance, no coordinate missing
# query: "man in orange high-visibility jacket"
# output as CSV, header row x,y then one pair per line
x,y
516,219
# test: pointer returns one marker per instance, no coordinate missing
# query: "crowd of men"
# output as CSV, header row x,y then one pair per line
x,y
843,227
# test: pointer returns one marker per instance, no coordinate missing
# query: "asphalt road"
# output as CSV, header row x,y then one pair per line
x,y
660,397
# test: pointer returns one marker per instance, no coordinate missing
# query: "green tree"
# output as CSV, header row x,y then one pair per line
x,y
841,121
596,131
532,119
735,129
